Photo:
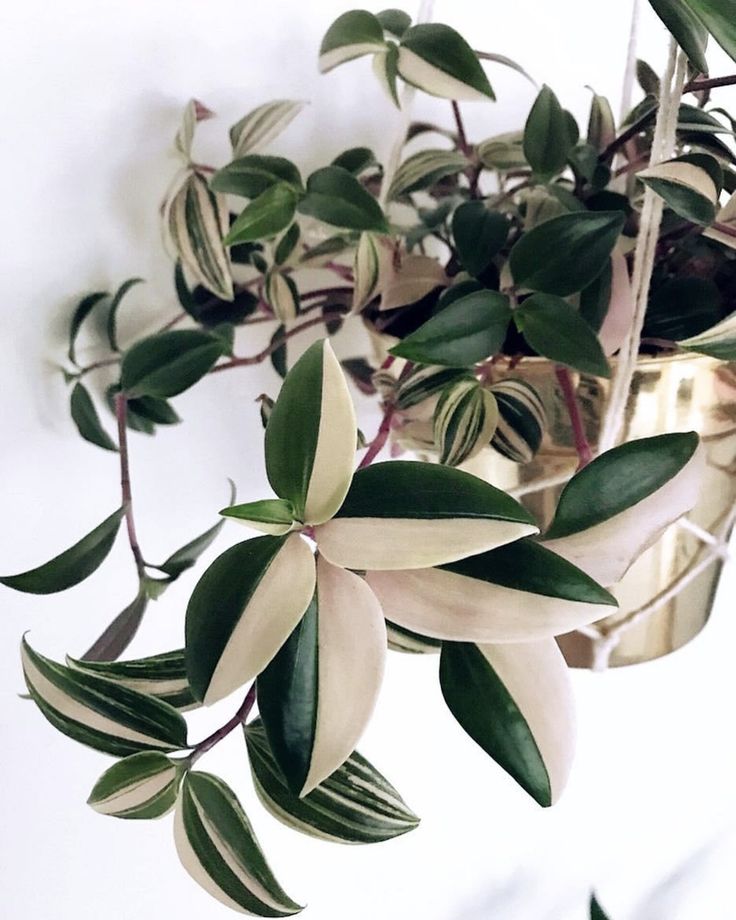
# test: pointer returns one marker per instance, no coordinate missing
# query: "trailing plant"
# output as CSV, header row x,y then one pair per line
x,y
463,260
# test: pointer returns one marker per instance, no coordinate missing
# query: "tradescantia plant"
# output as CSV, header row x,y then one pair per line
x,y
464,260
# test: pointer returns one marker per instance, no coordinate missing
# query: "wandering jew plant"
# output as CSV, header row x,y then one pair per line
x,y
465,261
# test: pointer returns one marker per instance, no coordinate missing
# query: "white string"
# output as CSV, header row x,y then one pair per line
x,y
627,91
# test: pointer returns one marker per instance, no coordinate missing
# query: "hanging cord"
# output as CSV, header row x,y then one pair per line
x,y
627,89
646,246
426,10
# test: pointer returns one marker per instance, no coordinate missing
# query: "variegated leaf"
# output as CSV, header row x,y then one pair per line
x,y
719,341
424,169
197,221
243,609
503,151
141,786
438,60
620,313
216,845
423,381
194,112
386,68
464,421
98,712
516,702
404,640
726,216
517,593
411,280
406,515
318,693
281,294
350,36
310,438
272,516
372,267
356,804
522,420
686,185
620,504
264,124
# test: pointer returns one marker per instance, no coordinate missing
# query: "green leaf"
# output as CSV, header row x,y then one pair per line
x,y
686,28
719,18
216,845
141,786
279,355
557,331
163,676
356,160
521,420
335,197
119,634
73,565
563,255
156,410
464,421
273,515
99,713
210,311
479,235
386,69
282,295
719,341
503,151
262,125
681,308
394,21
242,610
197,219
87,420
187,556
547,141
438,60
596,911
350,36
266,216
356,804
113,312
81,312
252,175
647,78
168,363
425,169
310,439
689,185
619,479
601,123
469,330
286,245
407,515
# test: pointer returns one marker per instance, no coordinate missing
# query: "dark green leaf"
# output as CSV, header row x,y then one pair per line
x,y
168,363
394,21
356,160
119,634
647,78
595,299
336,197
479,235
73,565
439,61
686,28
266,216
140,786
719,18
81,312
469,330
113,312
187,556
547,140
557,331
682,307
158,411
564,254
596,911
351,35
279,355
87,420
252,175
286,244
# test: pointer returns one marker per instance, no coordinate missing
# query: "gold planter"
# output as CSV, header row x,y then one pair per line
x,y
677,393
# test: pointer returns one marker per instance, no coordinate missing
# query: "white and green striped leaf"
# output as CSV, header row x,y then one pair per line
x,y
98,712
687,187
424,169
516,702
405,515
438,60
163,676
517,593
719,341
264,124
410,281
727,216
522,420
318,693
620,504
350,36
503,151
141,786
311,435
281,294
272,516
409,642
356,804
424,381
464,421
243,609
372,267
386,68
217,846
197,221
193,113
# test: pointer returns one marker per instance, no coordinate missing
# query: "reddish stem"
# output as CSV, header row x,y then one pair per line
x,y
583,448
379,442
240,716
121,413
696,86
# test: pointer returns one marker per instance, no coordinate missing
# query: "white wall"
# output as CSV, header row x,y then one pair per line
x,y
92,92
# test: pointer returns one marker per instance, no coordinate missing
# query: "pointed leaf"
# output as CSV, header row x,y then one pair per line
x,y
522,420
479,235
273,516
81,312
372,267
281,294
187,556
336,197
140,786
73,565
719,18
596,911
464,421
686,188
438,60
119,634
242,611
412,280
263,125
351,35
406,514
168,363
266,216
112,315
719,341
686,28
252,175
601,123
85,417
547,141
386,69
425,169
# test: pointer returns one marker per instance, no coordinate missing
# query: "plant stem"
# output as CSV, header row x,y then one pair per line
x,y
240,716
724,228
106,362
626,136
121,413
462,138
583,448
696,86
274,346
384,429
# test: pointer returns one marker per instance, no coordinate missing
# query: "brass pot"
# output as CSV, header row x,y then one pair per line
x,y
675,393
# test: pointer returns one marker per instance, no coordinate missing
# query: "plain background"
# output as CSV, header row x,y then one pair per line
x,y
92,93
